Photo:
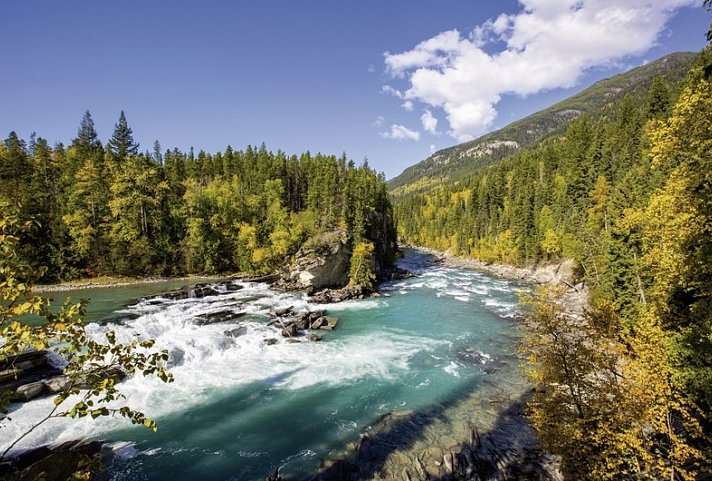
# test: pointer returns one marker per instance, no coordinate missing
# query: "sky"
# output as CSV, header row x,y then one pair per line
x,y
389,81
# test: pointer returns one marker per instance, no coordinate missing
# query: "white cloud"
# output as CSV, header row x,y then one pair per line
x,y
432,149
387,89
380,120
430,123
549,44
408,105
399,132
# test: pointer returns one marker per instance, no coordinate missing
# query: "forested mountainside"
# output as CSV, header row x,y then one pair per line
x,y
626,190
455,162
114,210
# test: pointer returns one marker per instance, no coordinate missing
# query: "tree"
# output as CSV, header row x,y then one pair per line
x,y
606,401
360,271
122,143
87,138
93,366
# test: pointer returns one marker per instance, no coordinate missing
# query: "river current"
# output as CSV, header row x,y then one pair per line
x,y
442,342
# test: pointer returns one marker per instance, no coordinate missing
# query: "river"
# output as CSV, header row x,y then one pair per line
x,y
441,345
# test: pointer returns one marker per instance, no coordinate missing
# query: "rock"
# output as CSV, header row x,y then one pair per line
x,y
314,337
321,263
289,330
51,464
318,323
275,476
219,316
421,470
328,323
269,278
30,391
284,311
236,332
22,363
271,341
447,462
231,286
200,291
57,384
329,296
341,470
470,355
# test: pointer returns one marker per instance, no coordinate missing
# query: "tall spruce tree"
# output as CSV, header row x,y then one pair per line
x,y
122,142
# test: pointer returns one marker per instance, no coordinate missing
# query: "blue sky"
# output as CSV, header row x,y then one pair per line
x,y
315,75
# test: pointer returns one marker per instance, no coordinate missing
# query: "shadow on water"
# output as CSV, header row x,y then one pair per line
x,y
392,432
508,451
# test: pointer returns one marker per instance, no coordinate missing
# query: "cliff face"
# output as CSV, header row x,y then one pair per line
x,y
320,264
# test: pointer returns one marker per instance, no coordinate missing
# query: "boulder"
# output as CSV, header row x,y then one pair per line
x,y
290,330
231,286
318,323
30,391
57,384
329,296
57,463
329,323
219,316
323,262
270,341
21,364
236,332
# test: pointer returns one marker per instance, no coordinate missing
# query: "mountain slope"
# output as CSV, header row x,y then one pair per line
x,y
457,161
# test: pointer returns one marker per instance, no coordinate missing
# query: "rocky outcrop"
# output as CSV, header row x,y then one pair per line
x,y
319,264
57,463
328,296
30,375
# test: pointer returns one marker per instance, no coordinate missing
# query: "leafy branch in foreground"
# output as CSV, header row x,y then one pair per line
x,y
88,386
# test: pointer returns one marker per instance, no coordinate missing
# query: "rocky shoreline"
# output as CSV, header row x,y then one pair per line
x,y
120,282
563,273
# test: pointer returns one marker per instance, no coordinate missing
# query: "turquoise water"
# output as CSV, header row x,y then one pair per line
x,y
239,408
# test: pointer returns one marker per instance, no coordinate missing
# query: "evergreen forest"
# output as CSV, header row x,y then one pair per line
x,y
113,210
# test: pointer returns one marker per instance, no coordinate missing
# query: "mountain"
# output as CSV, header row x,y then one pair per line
x,y
455,162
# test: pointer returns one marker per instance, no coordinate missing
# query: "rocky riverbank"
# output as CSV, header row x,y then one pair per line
x,y
563,273
106,282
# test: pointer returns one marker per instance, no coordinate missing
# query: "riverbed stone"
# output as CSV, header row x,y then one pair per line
x,y
57,384
318,323
236,332
29,391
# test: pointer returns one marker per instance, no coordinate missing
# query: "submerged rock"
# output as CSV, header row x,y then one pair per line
x,y
236,332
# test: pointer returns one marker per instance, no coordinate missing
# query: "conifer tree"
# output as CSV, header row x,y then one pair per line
x,y
122,143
